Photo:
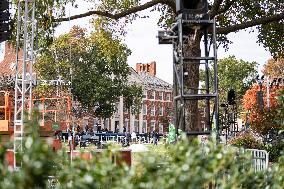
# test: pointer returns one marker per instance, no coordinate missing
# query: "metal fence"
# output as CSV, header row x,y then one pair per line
x,y
260,159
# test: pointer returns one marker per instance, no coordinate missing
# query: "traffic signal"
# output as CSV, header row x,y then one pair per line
x,y
5,26
191,6
231,97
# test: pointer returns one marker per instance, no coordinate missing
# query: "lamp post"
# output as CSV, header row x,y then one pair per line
x,y
269,85
268,92
260,92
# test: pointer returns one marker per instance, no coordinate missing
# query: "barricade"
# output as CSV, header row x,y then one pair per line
x,y
260,159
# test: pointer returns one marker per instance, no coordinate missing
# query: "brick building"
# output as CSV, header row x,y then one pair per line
x,y
156,104
156,108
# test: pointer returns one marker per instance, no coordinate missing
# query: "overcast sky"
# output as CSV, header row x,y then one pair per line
x,y
143,42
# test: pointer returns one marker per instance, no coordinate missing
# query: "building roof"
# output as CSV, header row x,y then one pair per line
x,y
147,80
152,81
134,77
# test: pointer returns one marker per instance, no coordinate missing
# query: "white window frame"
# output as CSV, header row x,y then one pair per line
x,y
161,111
161,95
161,128
168,97
144,109
144,127
153,110
151,126
136,125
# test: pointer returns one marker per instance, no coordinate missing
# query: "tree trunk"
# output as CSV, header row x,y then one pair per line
x,y
191,81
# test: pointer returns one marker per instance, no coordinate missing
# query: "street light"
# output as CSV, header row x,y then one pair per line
x,y
269,84
260,92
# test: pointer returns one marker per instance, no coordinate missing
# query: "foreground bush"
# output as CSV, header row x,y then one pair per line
x,y
249,140
184,165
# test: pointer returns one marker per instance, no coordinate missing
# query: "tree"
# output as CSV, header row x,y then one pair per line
x,y
274,68
234,74
266,16
267,119
98,73
7,82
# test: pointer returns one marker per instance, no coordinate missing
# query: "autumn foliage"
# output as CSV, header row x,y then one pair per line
x,y
262,120
274,68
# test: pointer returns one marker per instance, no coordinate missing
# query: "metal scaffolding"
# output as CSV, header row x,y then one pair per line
x,y
25,58
188,23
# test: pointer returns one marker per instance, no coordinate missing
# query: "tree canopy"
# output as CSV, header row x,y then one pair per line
x,y
264,16
274,68
270,118
98,73
234,74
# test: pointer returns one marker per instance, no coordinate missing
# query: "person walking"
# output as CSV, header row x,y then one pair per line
x,y
155,137
70,139
133,137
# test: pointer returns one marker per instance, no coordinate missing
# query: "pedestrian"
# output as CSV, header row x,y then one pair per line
x,y
155,137
69,132
133,137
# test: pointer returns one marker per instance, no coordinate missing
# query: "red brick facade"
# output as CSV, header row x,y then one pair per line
x,y
158,100
8,65
159,111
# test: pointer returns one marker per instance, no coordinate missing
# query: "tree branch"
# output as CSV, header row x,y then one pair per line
x,y
124,13
215,8
264,20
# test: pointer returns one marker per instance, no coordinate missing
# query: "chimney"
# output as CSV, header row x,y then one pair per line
x,y
148,67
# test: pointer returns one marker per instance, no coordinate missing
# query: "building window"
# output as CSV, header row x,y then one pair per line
x,y
144,127
144,94
152,128
153,111
161,129
144,109
136,126
168,97
160,95
152,95
161,111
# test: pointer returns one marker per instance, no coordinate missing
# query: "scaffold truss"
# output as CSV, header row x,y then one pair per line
x,y
26,24
203,99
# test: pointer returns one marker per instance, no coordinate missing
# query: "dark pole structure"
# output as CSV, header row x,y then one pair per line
x,y
5,23
192,16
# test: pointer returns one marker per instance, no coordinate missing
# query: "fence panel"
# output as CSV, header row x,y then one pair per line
x,y
260,159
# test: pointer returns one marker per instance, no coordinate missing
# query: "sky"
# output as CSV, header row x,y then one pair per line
x,y
142,40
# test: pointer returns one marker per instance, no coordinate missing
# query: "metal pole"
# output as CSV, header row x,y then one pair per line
x,y
267,93
216,82
207,108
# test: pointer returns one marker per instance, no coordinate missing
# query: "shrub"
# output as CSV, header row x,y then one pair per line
x,y
275,151
246,140
186,165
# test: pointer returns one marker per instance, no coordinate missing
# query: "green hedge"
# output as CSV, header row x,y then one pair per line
x,y
183,165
